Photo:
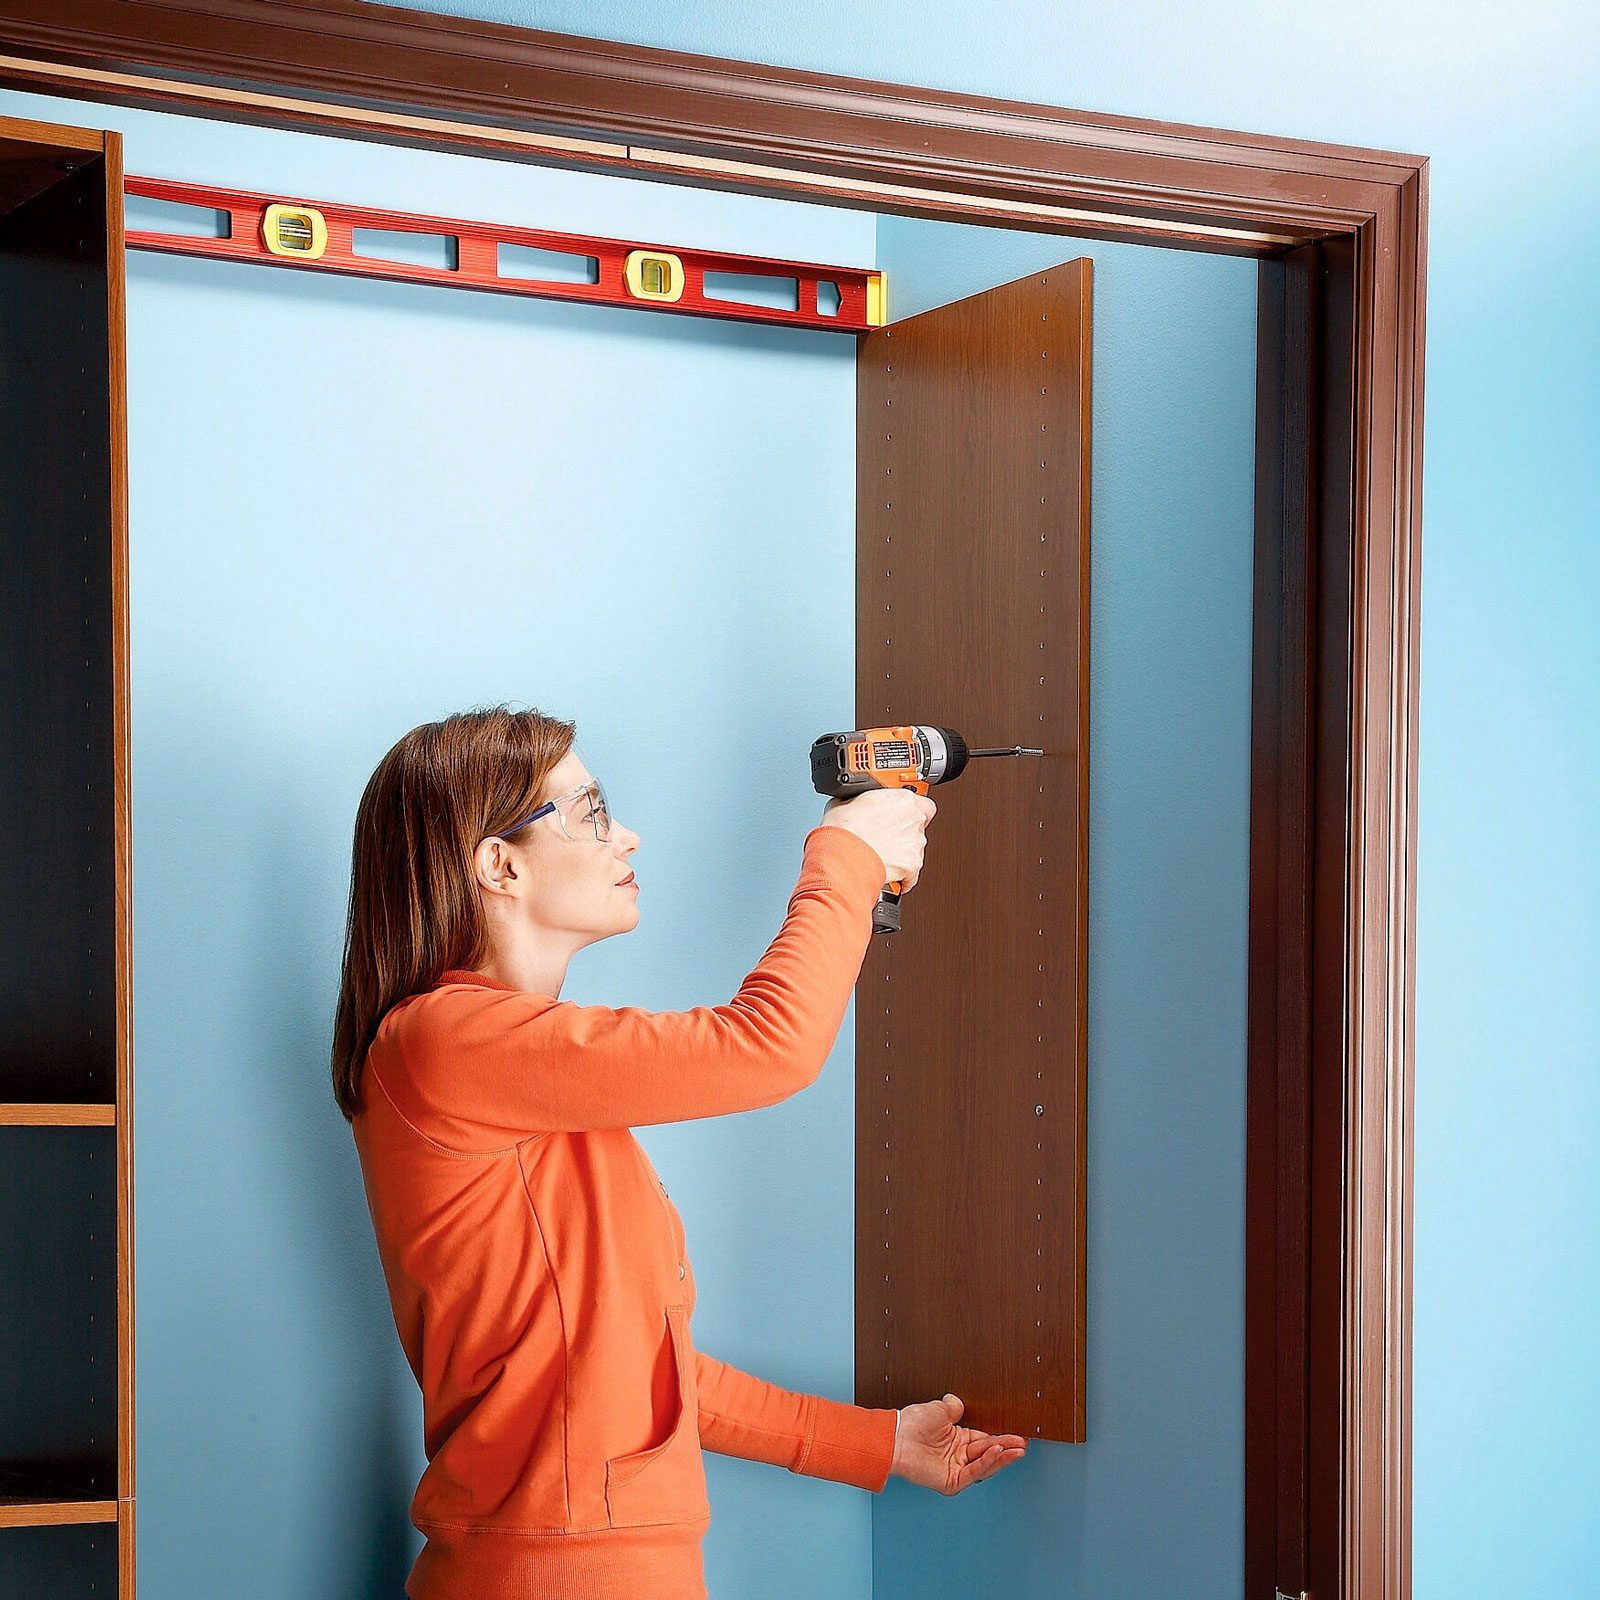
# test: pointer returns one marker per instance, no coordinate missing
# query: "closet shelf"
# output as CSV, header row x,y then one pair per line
x,y
57,1115
38,1495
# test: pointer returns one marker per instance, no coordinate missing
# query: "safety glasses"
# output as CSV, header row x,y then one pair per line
x,y
582,813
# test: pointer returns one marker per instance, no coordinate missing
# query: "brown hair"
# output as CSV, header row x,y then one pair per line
x,y
414,907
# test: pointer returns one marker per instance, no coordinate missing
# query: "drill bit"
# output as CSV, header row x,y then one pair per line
x,y
1007,750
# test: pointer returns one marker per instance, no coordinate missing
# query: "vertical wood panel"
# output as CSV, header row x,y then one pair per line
x,y
121,755
1332,1445
971,1024
1299,861
1277,1209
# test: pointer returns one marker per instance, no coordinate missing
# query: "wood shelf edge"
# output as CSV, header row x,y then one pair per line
x,y
23,1114
55,1513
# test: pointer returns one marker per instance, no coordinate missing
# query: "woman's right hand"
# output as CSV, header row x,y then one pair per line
x,y
893,821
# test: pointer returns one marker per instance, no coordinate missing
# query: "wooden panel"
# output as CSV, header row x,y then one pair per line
x,y
58,951
48,1115
1334,1334
971,1027
30,1512
1297,924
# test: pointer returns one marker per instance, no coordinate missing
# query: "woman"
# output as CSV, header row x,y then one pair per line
x,y
537,1269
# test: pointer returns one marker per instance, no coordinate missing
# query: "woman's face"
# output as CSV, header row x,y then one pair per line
x,y
553,892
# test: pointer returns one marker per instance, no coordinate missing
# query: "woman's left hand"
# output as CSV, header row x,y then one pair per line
x,y
932,1451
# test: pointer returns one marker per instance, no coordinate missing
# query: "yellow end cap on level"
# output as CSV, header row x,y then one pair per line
x,y
294,231
877,301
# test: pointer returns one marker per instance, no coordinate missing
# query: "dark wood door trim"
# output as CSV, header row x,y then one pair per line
x,y
705,120
1341,233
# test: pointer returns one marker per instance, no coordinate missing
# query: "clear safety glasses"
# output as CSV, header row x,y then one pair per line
x,y
582,813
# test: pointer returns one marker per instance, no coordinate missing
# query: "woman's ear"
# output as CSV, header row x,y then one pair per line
x,y
494,866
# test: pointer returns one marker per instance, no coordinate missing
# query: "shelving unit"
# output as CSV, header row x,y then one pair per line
x,y
66,1103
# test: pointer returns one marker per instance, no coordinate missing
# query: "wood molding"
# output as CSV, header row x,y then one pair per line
x,y
1341,233
850,140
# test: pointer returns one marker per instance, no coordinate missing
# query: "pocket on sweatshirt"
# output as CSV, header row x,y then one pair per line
x,y
664,1482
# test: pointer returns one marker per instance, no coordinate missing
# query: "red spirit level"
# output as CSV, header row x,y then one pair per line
x,y
320,235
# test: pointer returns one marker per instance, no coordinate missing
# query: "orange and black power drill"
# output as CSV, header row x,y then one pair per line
x,y
913,757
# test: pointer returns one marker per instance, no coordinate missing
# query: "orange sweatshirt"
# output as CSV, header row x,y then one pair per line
x,y
538,1272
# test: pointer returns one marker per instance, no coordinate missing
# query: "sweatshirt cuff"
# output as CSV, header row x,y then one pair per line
x,y
836,855
848,1443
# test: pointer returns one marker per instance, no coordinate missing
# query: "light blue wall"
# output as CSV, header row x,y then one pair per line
x,y
356,506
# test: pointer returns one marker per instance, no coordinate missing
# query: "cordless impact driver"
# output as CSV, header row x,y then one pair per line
x,y
913,757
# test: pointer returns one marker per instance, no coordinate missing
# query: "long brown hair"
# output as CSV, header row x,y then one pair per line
x,y
414,908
